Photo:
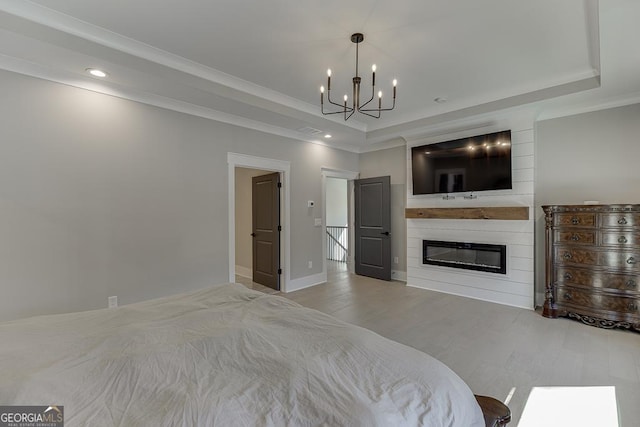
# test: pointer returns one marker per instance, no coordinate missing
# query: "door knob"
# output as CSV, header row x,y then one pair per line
x,y
386,233
253,234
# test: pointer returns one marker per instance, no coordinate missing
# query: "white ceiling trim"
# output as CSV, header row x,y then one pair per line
x,y
589,107
397,142
65,23
592,14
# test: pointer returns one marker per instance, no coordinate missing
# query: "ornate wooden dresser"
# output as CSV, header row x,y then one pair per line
x,y
593,264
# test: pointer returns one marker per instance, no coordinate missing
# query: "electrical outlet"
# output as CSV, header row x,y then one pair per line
x,y
113,302
395,260
310,264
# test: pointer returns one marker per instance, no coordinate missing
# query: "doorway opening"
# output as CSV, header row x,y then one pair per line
x,y
242,169
257,242
338,217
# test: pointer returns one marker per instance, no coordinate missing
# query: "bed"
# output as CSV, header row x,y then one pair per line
x,y
226,356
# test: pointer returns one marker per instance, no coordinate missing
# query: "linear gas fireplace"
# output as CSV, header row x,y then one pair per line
x,y
469,256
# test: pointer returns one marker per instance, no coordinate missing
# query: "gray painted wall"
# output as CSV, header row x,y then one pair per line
x,y
337,202
592,156
102,196
392,162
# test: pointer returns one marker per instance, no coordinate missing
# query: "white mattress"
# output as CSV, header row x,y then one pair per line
x,y
225,356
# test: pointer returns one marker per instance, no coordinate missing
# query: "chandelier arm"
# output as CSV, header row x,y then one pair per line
x,y
370,115
351,114
343,108
332,112
365,104
340,105
382,109
330,101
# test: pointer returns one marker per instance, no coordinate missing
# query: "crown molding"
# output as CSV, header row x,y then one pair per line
x,y
396,142
589,107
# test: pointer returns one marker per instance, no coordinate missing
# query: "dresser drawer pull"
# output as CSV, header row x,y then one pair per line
x,y
568,256
567,296
575,220
568,276
575,237
631,260
631,284
633,306
622,221
622,239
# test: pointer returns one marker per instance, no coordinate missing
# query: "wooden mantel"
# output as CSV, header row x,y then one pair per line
x,y
504,213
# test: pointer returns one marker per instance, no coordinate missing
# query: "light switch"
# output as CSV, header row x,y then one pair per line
x,y
318,222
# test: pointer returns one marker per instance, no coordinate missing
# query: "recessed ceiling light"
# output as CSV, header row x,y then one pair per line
x,y
96,72
440,100
328,136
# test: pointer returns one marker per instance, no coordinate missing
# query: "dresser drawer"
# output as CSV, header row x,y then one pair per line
x,y
597,301
575,219
620,260
625,219
622,238
580,237
597,279
569,255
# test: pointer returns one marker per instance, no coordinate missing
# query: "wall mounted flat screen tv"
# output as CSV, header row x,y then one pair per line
x,y
477,163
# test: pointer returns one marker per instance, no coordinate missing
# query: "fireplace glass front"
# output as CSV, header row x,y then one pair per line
x,y
469,256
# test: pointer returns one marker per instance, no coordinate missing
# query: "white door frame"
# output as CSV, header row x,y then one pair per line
x,y
235,160
348,175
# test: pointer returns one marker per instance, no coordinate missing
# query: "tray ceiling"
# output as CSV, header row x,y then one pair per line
x,y
260,64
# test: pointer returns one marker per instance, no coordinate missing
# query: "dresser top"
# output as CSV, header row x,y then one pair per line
x,y
592,208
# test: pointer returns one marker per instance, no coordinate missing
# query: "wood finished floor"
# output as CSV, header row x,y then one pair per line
x,y
494,348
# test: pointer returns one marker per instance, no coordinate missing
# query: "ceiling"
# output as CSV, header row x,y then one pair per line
x,y
260,64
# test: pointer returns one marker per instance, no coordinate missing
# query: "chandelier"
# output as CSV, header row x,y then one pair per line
x,y
356,104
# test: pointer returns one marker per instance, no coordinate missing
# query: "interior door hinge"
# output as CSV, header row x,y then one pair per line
x,y
279,228
279,271
279,185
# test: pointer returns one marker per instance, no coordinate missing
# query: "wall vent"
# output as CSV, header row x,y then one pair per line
x,y
308,130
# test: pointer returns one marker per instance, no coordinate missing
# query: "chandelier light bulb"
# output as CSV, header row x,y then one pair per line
x,y
345,98
329,72
379,94
373,68
395,83
321,89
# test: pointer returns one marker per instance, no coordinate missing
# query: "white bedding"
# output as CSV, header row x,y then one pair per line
x,y
225,356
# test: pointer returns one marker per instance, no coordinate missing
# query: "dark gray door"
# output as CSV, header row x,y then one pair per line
x,y
265,198
373,225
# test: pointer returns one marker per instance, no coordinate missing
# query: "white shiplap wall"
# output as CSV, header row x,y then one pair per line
x,y
516,288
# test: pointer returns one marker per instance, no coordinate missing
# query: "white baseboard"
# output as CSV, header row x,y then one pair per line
x,y
399,275
305,282
244,271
